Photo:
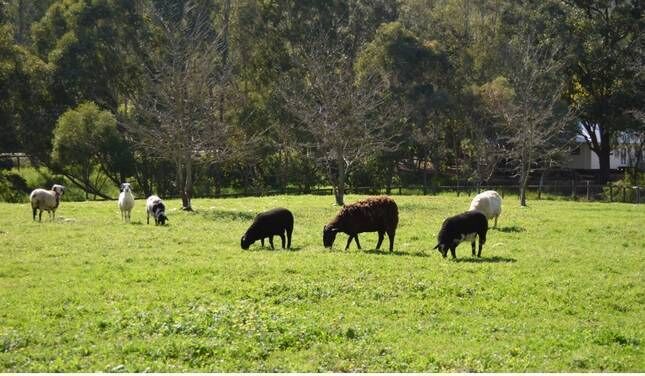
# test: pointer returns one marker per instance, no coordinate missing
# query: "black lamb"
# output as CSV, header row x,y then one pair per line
x,y
276,221
378,214
465,226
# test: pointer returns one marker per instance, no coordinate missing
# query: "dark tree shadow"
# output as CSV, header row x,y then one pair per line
x,y
493,260
511,229
227,214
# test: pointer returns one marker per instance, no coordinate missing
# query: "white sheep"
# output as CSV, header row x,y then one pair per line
x,y
46,200
126,201
489,203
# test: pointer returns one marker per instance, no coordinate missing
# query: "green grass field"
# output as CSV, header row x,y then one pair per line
x,y
559,288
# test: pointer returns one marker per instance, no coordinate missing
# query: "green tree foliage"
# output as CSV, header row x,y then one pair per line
x,y
88,44
606,79
415,72
89,150
24,108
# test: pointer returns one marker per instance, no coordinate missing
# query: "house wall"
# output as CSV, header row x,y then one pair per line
x,y
585,159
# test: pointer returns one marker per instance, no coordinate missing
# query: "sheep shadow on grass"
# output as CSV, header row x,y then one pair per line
x,y
231,215
394,253
278,248
511,229
481,260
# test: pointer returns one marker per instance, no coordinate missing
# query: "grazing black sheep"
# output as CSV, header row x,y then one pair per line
x,y
276,221
372,214
465,226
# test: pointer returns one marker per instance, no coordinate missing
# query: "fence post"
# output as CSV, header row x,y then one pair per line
x,y
573,189
611,192
637,194
624,196
588,193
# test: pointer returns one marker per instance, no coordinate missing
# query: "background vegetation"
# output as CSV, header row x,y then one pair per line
x,y
190,98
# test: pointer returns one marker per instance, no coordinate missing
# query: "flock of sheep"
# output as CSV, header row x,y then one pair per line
x,y
374,214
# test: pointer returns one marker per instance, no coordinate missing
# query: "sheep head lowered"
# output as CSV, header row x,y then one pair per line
x,y
329,235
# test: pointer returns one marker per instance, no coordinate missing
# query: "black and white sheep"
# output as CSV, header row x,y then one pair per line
x,y
278,221
489,203
46,200
378,214
156,209
465,226
126,201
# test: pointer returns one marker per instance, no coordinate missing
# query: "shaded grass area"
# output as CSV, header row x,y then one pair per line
x,y
559,288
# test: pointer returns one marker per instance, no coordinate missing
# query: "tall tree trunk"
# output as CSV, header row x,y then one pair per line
x,y
340,189
227,12
524,178
425,180
180,176
604,161
389,178
187,192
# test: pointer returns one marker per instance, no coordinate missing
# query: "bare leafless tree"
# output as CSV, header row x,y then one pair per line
x,y
180,101
527,103
345,121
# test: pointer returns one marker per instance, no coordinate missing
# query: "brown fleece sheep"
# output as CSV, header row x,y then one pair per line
x,y
372,214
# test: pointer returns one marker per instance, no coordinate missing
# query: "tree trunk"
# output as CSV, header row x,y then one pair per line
x,y
425,180
524,178
340,189
218,181
227,11
603,160
187,192
180,176
389,178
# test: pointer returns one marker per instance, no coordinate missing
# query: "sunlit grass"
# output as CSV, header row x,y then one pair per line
x,y
559,288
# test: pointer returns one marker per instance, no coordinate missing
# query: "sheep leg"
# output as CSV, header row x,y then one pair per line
x,y
452,252
148,218
262,242
472,244
357,243
40,215
289,232
495,225
381,234
482,241
282,239
349,241
390,236
33,211
271,241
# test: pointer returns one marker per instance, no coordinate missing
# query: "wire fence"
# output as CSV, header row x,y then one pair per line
x,y
585,190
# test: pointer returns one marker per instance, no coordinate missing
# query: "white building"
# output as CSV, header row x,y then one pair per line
x,y
622,155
